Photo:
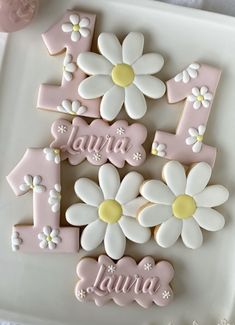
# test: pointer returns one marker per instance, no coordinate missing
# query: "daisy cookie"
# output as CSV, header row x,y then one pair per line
x,y
182,205
122,74
109,211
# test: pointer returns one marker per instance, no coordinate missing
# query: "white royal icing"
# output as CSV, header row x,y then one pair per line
x,y
193,189
16,240
52,154
196,138
49,238
190,73
32,183
72,107
55,198
77,27
200,97
69,67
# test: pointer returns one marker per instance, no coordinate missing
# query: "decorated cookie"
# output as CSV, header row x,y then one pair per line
x,y
16,14
39,172
121,74
99,142
197,86
124,281
73,33
182,205
109,211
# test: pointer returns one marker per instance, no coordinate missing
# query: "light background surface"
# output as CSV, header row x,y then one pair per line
x,y
38,289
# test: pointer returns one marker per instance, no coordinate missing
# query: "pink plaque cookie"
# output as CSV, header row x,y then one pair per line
x,y
73,33
197,86
39,172
124,281
99,141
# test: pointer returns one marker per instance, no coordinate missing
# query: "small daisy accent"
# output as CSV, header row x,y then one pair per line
x,y
196,138
16,241
69,67
224,322
97,156
55,197
137,156
62,129
82,294
190,73
71,107
111,268
200,97
52,154
77,27
32,183
166,294
49,238
120,131
148,266
158,149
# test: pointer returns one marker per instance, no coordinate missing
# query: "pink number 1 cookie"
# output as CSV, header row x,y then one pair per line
x,y
197,85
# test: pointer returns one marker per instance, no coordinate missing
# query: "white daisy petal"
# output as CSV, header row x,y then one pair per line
x,y
74,19
135,179
43,244
71,67
93,64
54,233
51,245
157,192
56,207
56,240
209,219
89,192
197,147
110,47
85,32
67,27
208,96
85,22
196,104
81,214
186,77
116,96
191,233
134,231
206,103
95,86
195,91
175,177
192,72
42,236
154,215
190,140
28,179
198,178
75,36
149,63
109,181
67,59
169,232
203,90
68,76
132,47
114,241
150,86
47,230
201,129
24,187
135,103
132,208
212,196
193,132
191,98
93,235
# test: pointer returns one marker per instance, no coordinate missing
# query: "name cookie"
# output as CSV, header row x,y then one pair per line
x,y
99,142
124,282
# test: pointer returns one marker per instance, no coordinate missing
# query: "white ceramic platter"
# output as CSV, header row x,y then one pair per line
x,y
39,289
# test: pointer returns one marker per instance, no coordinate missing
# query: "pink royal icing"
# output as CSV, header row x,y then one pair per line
x,y
99,142
197,84
124,282
39,171
73,33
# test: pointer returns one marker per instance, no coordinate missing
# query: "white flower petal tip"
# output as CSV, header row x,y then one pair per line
x,y
52,154
200,97
55,198
16,241
77,27
49,238
183,205
191,72
109,211
196,138
33,183
159,149
121,74
72,107
69,67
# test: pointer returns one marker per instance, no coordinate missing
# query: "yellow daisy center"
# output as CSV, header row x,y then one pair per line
x,y
200,138
200,98
123,75
56,151
76,28
154,152
184,207
110,211
49,238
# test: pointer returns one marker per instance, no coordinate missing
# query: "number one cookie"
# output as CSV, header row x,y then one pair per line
x,y
197,84
39,172
73,33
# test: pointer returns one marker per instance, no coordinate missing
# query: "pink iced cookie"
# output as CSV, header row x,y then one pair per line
x,y
124,282
197,85
16,14
99,142
73,33
39,171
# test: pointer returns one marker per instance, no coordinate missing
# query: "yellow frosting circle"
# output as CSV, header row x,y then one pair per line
x,y
110,211
123,75
76,28
200,98
184,206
